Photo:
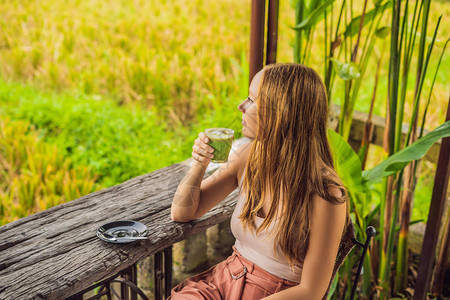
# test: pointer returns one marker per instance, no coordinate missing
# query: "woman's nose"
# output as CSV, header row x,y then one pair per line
x,y
242,106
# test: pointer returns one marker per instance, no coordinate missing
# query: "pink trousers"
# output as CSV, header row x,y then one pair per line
x,y
233,279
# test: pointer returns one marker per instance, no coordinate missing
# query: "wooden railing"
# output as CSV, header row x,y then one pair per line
x,y
55,254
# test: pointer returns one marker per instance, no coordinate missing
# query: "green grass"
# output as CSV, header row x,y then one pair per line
x,y
116,142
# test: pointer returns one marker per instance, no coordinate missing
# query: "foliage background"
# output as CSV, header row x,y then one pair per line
x,y
122,88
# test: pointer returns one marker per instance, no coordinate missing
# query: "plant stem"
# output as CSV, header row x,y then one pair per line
x,y
355,49
419,88
393,73
298,33
426,12
329,78
309,45
325,49
368,127
401,274
431,89
406,68
408,192
392,233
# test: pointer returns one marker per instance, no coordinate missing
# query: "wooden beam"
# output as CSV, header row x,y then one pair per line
x,y
272,32
257,37
427,255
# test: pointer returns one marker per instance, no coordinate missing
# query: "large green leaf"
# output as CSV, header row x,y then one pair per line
x,y
353,28
315,16
347,162
401,159
349,169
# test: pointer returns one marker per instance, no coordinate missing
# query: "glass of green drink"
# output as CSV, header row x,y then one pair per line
x,y
220,139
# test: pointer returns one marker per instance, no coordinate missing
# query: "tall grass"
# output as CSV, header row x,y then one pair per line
x,y
34,175
167,54
164,53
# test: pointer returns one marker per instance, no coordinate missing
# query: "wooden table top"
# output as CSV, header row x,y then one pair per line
x,y
55,253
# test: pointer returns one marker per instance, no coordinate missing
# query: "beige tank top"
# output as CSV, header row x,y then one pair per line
x,y
259,248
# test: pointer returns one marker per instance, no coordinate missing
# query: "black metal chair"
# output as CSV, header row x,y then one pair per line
x,y
124,284
348,242
120,286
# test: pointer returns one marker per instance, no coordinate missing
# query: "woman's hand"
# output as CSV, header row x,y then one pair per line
x,y
201,151
195,196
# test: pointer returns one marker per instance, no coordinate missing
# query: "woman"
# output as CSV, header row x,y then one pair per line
x,y
291,212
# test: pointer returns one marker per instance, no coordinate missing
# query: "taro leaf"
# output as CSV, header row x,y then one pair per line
x,y
347,162
346,71
314,17
402,158
353,28
383,32
348,167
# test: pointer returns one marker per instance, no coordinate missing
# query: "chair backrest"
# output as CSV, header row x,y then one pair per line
x,y
346,245
349,241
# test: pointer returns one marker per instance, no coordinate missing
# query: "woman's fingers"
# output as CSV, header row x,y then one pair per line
x,y
204,137
200,158
201,144
202,141
201,151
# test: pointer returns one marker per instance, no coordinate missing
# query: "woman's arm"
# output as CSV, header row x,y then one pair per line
x,y
327,226
195,196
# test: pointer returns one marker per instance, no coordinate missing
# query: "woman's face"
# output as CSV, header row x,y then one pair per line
x,y
249,108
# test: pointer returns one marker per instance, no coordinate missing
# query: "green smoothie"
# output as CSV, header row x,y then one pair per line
x,y
220,139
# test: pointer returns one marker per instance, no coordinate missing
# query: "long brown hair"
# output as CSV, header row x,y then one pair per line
x,y
290,158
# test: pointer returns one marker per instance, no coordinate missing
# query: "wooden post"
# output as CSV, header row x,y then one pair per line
x,y
427,255
257,37
272,32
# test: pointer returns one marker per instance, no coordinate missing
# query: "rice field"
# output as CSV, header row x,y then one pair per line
x,y
79,70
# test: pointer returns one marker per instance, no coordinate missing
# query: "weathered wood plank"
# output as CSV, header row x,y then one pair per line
x,y
55,253
357,128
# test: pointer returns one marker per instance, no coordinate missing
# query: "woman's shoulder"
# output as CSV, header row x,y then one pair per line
x,y
327,210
